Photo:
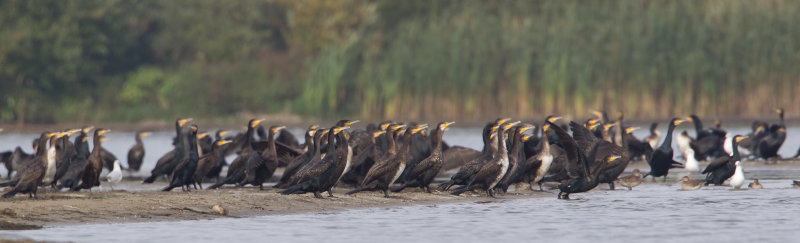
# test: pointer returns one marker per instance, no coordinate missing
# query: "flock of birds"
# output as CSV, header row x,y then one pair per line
x,y
394,156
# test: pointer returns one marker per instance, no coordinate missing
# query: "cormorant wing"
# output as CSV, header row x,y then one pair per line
x,y
380,168
584,138
718,162
456,156
575,165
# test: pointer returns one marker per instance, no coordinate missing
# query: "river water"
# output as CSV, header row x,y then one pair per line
x,y
652,212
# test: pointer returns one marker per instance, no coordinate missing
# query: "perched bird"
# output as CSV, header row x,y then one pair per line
x,y
323,175
136,153
689,184
94,164
210,161
723,167
32,173
261,165
737,180
632,180
313,153
237,167
423,174
469,169
493,170
183,175
115,176
768,146
755,184
166,164
386,170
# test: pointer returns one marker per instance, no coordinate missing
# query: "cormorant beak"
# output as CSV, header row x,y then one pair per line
x,y
145,134
493,136
608,126
88,129
223,142
384,126
183,121
448,124
740,138
222,133
279,128
593,126
74,131
546,127
504,120
494,129
256,122
509,125
377,134
398,127
554,119
416,130
526,127
526,137
689,118
631,129
324,132
612,158
103,131
352,122
202,135
679,121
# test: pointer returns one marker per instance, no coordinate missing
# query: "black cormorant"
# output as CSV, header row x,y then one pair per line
x,y
136,153
166,164
210,161
490,174
90,177
32,173
423,174
183,174
261,165
237,167
662,161
723,167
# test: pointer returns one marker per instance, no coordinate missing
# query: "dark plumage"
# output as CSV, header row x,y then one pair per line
x,y
74,170
423,174
166,164
582,167
90,177
261,165
490,174
136,153
210,161
662,160
386,170
723,167
237,167
323,174
183,175
299,162
769,145
468,170
32,173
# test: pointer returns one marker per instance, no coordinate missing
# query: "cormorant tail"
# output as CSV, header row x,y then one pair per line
x,y
11,193
460,190
150,179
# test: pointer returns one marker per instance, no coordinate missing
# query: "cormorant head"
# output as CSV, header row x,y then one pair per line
x,y
337,130
87,129
677,121
597,114
553,119
223,142
254,122
693,118
202,135
506,126
376,134
312,130
525,127
500,121
144,134
526,137
630,130
384,125
593,126
444,125
738,138
183,121
276,129
222,133
779,111
101,131
608,126
612,158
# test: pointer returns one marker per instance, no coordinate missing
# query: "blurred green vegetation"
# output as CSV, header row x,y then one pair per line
x,y
115,60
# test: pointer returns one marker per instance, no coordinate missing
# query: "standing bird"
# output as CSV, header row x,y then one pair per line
x,y
691,165
654,136
313,153
115,176
237,167
493,170
166,164
75,168
631,181
581,167
469,169
50,171
386,171
136,153
210,161
769,145
31,174
737,180
423,174
323,174
516,157
662,160
724,167
94,164
261,165
183,174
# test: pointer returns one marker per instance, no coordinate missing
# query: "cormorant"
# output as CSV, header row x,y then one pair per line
x,y
136,153
618,148
32,173
583,168
65,153
769,145
261,165
50,172
90,177
323,174
312,153
183,174
516,157
755,184
490,174
210,161
654,136
423,174
469,169
662,160
632,180
74,170
538,165
237,167
166,164
723,167
386,170
707,143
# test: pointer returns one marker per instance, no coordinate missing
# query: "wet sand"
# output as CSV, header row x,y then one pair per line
x,y
68,208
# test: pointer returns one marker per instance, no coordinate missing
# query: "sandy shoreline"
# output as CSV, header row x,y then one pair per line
x,y
69,208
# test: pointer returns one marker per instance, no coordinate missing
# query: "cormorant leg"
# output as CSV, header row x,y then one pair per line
x,y
540,187
385,193
611,185
490,193
428,189
665,179
317,195
566,195
330,192
559,194
261,187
